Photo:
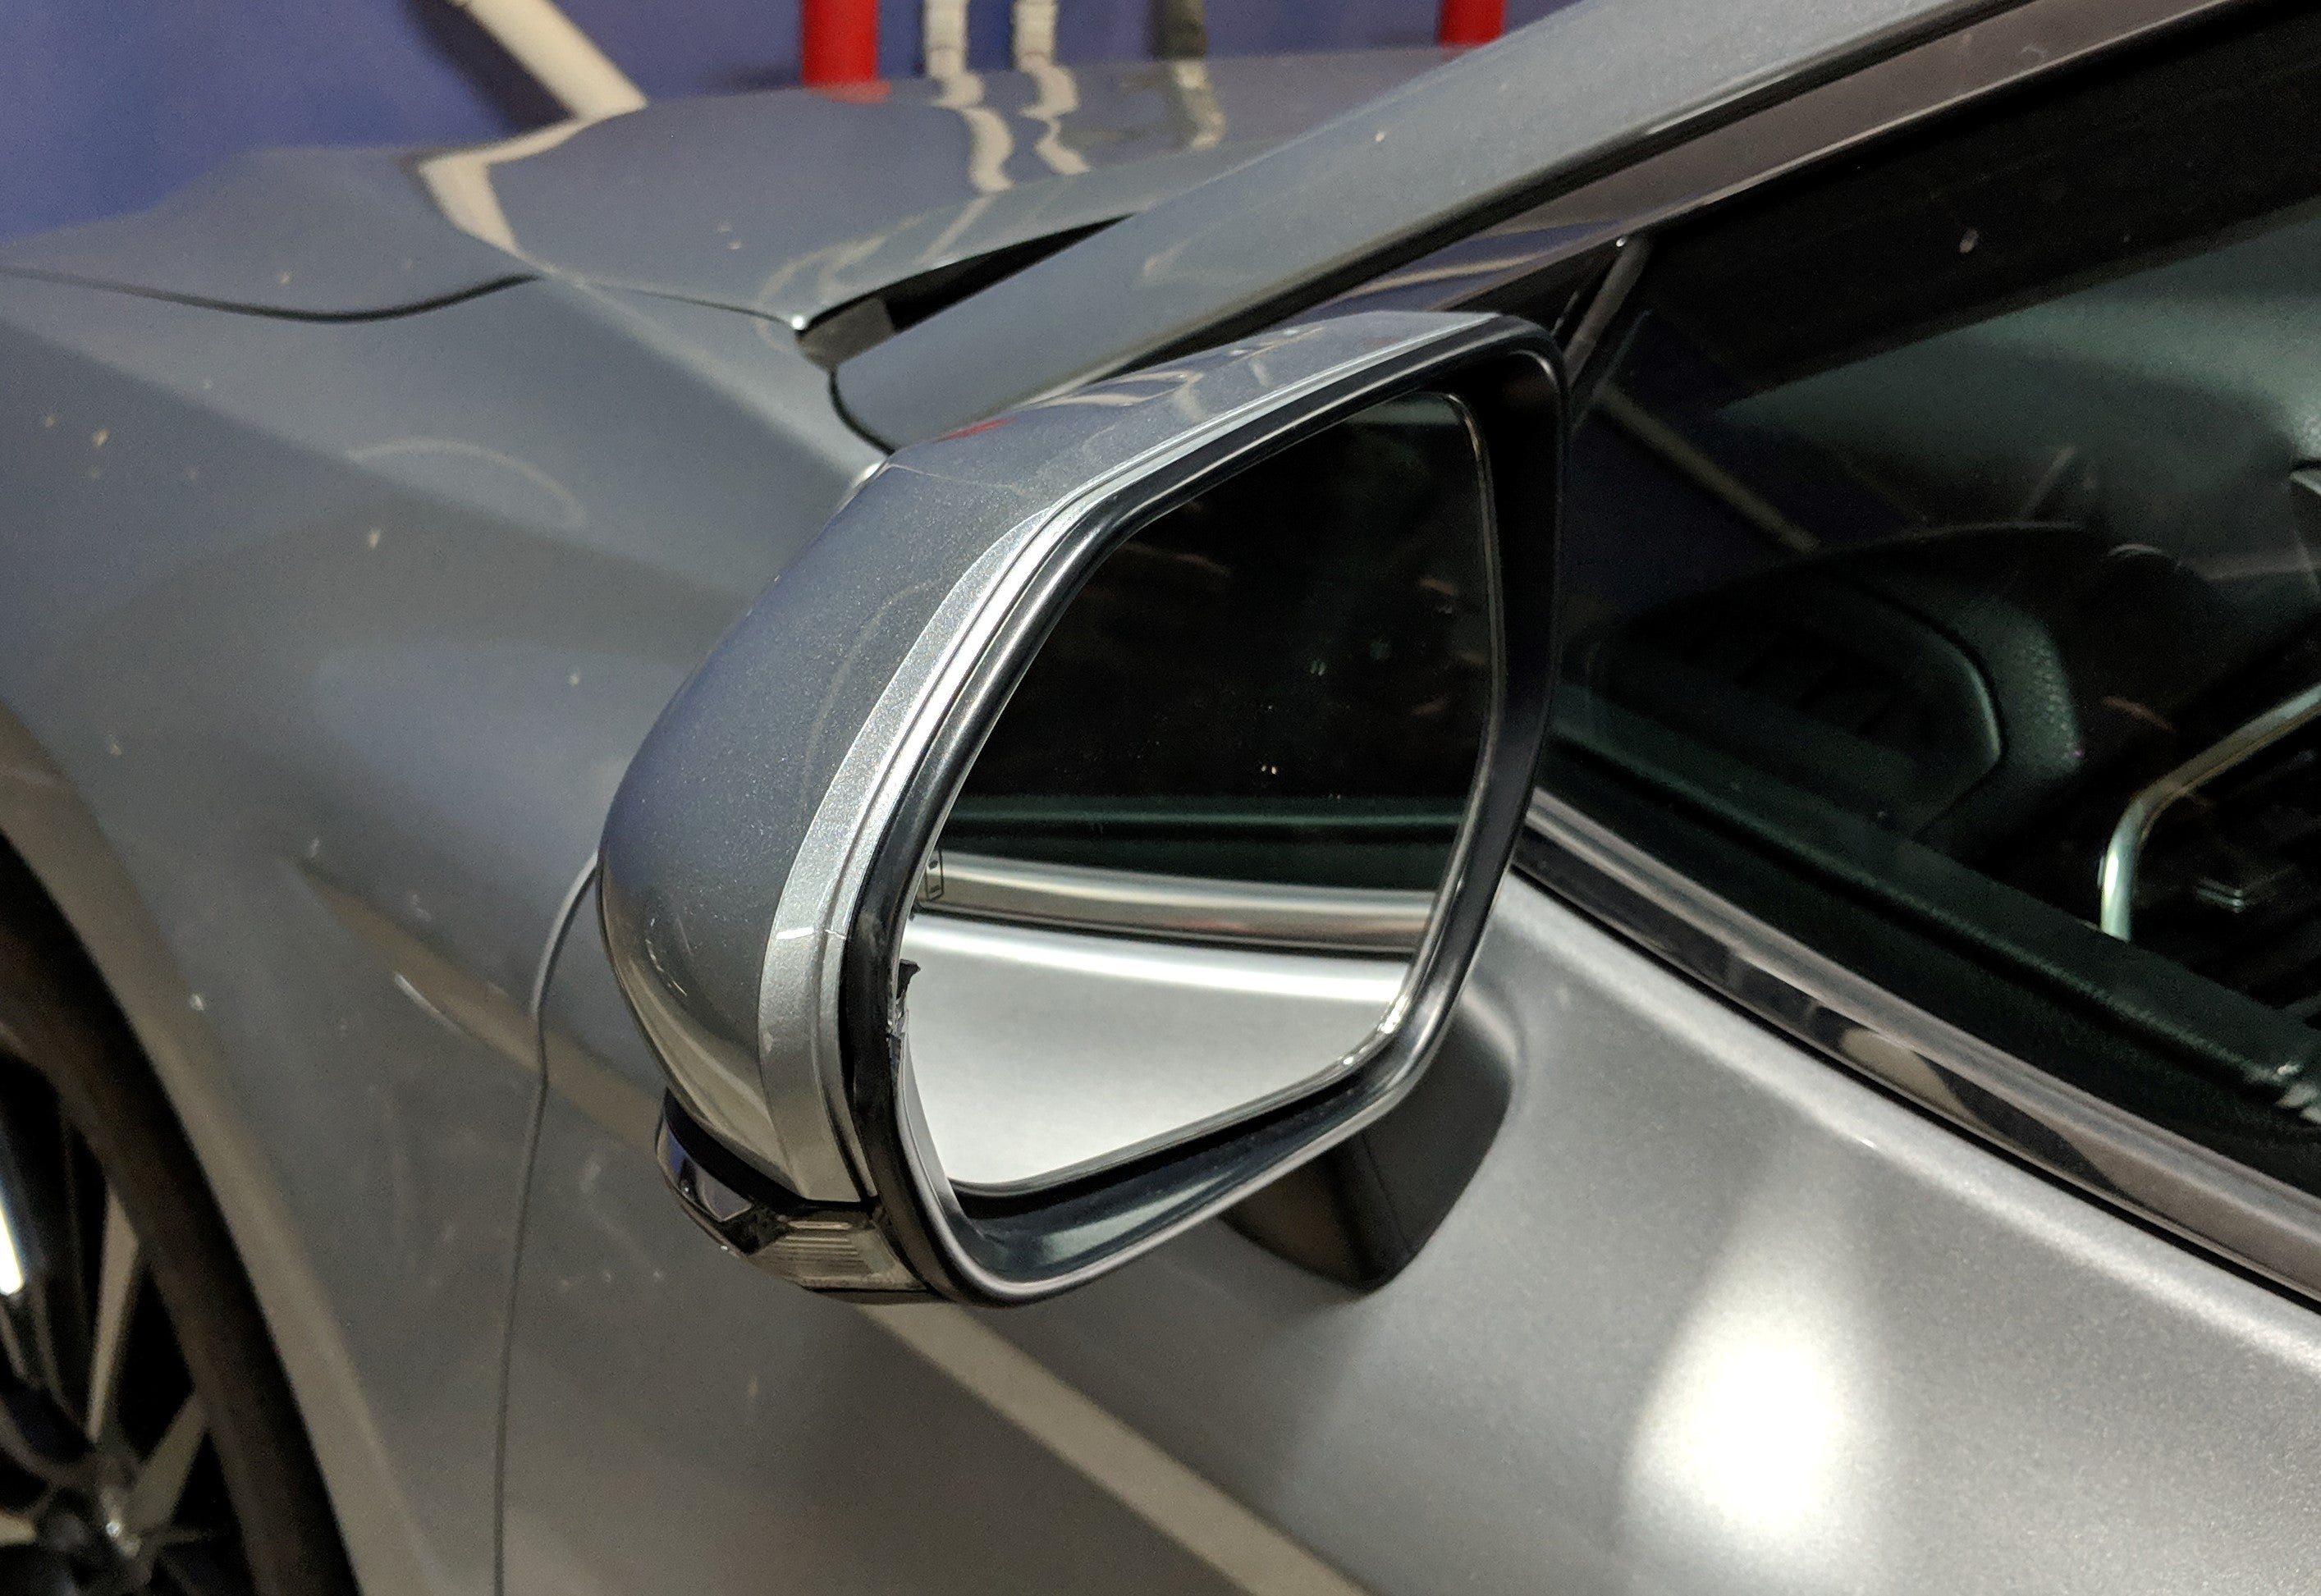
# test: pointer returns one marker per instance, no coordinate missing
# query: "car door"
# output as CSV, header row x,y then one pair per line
x,y
1873,1151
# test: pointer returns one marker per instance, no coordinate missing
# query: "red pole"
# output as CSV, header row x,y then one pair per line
x,y
1470,22
838,40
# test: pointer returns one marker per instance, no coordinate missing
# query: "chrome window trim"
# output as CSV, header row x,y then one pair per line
x,y
2209,1201
1182,908
2250,1218
1997,52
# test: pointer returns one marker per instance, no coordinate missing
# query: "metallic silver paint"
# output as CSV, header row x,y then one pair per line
x,y
2193,1190
2010,48
305,232
709,200
715,202
314,637
1040,1054
736,850
1338,201
1375,207
1204,1520
1711,1316
201,684
680,1421
934,585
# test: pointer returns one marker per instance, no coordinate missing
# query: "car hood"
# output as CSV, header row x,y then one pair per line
x,y
788,204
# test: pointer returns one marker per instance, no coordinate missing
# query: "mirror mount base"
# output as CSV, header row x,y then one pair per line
x,y
1359,1214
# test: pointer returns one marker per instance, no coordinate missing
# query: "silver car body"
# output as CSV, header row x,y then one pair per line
x,y
361,512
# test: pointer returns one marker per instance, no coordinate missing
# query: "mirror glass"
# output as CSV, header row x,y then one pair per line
x,y
1187,874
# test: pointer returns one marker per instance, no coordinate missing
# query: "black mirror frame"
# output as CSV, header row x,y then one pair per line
x,y
1006,1250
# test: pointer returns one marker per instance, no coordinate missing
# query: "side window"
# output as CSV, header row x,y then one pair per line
x,y
1943,576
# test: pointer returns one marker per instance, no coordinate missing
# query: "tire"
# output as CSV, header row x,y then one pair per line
x,y
196,1477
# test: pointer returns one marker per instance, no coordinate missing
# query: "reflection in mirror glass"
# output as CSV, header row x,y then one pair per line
x,y
1187,874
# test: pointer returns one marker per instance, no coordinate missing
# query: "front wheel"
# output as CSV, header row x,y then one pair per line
x,y
148,1440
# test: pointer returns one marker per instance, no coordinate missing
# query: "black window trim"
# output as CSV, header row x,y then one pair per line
x,y
1990,53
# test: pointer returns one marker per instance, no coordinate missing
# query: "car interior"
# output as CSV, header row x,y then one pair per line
x,y
1977,638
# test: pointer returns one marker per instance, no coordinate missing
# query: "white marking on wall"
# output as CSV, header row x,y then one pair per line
x,y
1032,29
942,36
561,58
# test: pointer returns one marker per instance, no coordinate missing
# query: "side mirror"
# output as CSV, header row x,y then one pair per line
x,y
1098,819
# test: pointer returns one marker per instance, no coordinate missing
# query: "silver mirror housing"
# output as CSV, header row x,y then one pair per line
x,y
766,846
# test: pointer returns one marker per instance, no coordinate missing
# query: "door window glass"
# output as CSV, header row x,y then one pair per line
x,y
1942,575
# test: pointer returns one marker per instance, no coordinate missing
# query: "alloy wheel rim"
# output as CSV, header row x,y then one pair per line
x,y
109,1482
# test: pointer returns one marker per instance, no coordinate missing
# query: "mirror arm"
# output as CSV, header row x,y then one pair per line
x,y
1361,1213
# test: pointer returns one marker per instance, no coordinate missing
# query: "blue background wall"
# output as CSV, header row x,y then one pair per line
x,y
104,108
